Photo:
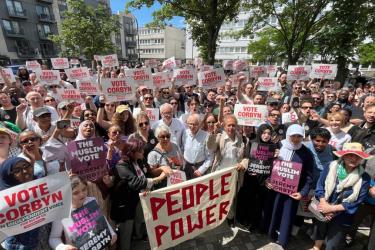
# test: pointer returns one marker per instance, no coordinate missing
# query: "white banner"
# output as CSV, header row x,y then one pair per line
x,y
211,78
48,77
185,77
298,72
33,65
268,84
140,77
152,63
271,70
118,89
289,117
88,87
170,63
60,63
33,204
206,67
258,71
161,80
109,61
228,64
250,115
183,211
326,71
8,73
239,65
77,73
69,95
74,61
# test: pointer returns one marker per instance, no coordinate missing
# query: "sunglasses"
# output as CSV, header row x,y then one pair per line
x,y
165,93
49,100
54,86
306,107
19,170
110,105
26,84
89,114
27,140
141,124
165,137
116,132
148,98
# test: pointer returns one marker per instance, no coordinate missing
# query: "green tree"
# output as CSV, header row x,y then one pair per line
x,y
296,21
267,47
203,17
367,53
86,30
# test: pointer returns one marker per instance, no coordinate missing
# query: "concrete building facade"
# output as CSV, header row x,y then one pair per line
x,y
127,49
162,43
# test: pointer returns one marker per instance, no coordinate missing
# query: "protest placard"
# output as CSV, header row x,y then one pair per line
x,y
152,113
261,158
289,117
211,78
88,158
33,65
33,204
183,211
323,71
97,58
285,176
198,62
177,176
235,78
109,61
118,89
69,95
8,73
88,87
298,72
87,228
228,64
258,71
185,77
239,65
60,63
303,205
140,77
152,63
250,115
77,73
268,84
178,63
48,77
170,63
74,61
206,67
161,80
74,122
271,70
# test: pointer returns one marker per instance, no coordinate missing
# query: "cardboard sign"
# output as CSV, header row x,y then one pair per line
x,y
109,61
88,158
48,77
33,204
88,87
118,89
69,95
285,176
325,71
74,61
33,65
77,73
152,63
87,228
206,67
8,73
177,176
261,158
140,76
161,80
228,64
258,71
60,63
170,63
152,113
268,84
235,78
239,65
271,70
198,62
289,117
303,206
74,123
212,78
183,211
97,58
297,72
185,77
250,115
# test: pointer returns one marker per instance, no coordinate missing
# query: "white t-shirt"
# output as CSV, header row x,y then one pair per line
x,y
339,139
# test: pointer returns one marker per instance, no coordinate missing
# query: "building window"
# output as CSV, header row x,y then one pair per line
x,y
12,27
43,12
47,49
15,8
44,30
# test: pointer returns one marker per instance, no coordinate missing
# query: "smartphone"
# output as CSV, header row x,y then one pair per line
x,y
295,102
63,124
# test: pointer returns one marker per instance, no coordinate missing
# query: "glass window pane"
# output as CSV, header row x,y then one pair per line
x,y
18,6
7,25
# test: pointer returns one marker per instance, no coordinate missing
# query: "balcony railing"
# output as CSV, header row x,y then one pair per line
x,y
17,13
45,18
14,33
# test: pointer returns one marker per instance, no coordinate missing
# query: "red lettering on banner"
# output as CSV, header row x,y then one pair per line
x,y
174,234
159,232
191,227
210,216
185,204
223,209
212,195
200,189
171,202
12,200
156,204
224,183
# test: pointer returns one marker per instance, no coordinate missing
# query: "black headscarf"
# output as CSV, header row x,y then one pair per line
x,y
7,179
260,131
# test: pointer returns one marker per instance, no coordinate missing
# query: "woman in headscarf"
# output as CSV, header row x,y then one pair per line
x,y
340,190
285,206
86,130
15,171
252,194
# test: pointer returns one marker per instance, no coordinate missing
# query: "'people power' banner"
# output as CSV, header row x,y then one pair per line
x,y
183,211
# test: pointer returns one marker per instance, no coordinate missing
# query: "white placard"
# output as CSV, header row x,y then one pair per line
x,y
118,89
48,77
33,65
140,77
258,71
268,84
298,72
212,78
185,77
109,61
60,63
8,73
161,80
77,73
250,115
325,71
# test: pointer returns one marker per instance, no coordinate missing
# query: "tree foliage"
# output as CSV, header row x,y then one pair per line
x,y
367,53
204,18
86,30
296,21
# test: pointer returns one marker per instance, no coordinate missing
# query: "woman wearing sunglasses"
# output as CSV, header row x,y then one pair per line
x,y
105,113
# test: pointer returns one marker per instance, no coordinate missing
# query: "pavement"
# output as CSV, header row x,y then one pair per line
x,y
224,237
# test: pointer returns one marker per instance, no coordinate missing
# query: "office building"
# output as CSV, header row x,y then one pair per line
x,y
126,41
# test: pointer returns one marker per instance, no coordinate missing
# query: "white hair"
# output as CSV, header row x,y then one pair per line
x,y
162,128
165,106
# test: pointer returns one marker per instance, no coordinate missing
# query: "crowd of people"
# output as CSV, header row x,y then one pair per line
x,y
333,137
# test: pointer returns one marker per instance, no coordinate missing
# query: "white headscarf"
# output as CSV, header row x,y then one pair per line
x,y
288,147
80,128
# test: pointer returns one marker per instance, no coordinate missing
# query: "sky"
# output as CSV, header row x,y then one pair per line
x,y
144,15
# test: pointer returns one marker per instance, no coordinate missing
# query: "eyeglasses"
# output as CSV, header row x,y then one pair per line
x,y
116,132
26,84
306,107
89,114
49,100
18,170
27,140
317,98
148,98
53,86
110,105
165,93
141,124
166,113
165,137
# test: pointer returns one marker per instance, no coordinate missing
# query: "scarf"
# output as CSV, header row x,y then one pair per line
x,y
353,180
288,148
80,128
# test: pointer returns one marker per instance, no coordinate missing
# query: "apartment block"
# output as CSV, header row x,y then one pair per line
x,y
126,41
